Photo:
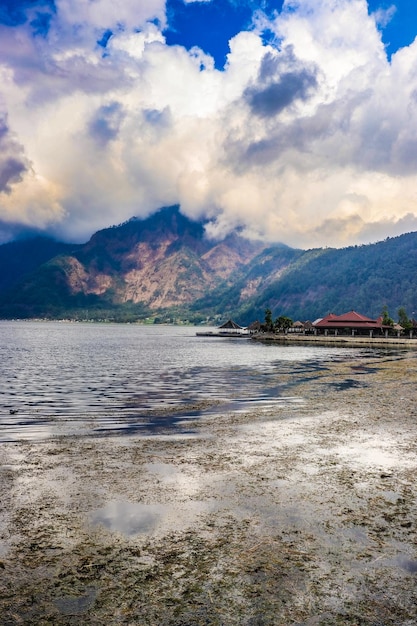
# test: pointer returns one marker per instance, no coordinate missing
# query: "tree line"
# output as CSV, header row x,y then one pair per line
x,y
283,322
403,320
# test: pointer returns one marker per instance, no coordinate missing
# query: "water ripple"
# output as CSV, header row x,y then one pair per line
x,y
62,378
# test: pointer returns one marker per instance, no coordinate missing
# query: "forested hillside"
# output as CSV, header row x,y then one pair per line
x,y
364,278
20,258
164,268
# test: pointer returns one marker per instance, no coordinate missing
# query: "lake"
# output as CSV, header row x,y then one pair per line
x,y
63,378
149,476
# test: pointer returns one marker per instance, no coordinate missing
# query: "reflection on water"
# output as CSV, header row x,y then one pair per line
x,y
70,605
134,518
407,564
348,383
106,379
129,518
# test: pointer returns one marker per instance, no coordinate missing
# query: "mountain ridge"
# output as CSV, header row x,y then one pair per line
x,y
165,267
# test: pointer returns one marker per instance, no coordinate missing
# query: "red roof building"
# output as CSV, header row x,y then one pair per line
x,y
350,322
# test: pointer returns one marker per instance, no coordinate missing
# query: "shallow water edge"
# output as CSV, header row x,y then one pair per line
x,y
277,513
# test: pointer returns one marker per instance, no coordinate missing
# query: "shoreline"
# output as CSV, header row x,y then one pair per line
x,y
302,511
393,342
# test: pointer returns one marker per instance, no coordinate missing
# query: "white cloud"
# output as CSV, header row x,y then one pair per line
x,y
103,14
384,16
311,140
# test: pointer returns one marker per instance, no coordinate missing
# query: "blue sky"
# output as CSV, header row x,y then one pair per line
x,y
211,25
294,120
401,27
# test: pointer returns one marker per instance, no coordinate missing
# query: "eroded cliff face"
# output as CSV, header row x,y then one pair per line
x,y
162,262
80,280
167,279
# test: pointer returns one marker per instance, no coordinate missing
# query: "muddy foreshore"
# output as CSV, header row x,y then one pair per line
x,y
302,514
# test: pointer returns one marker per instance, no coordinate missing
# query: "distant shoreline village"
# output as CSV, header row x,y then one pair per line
x,y
350,328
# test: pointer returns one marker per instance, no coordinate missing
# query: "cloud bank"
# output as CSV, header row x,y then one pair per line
x,y
307,136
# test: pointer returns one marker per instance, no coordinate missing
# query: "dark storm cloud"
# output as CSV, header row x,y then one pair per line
x,y
281,81
323,134
11,171
105,125
12,161
278,96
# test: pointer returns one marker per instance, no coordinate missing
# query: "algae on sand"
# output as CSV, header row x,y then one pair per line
x,y
297,513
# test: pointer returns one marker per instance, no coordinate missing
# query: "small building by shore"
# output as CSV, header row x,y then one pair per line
x,y
351,323
228,329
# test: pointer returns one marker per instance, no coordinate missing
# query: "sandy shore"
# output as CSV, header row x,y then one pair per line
x,y
302,513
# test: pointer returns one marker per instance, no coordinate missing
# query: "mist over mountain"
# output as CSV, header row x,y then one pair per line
x,y
166,268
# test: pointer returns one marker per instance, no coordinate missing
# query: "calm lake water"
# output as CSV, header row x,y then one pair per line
x,y
62,378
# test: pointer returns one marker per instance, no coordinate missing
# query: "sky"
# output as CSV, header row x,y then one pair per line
x,y
293,121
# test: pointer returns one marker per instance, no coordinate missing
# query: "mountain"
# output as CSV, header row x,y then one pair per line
x,y
19,258
130,271
309,284
164,268
364,278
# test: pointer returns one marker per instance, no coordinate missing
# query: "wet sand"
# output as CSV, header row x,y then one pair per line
x,y
304,513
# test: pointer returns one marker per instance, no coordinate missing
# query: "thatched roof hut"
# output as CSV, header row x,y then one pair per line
x,y
231,325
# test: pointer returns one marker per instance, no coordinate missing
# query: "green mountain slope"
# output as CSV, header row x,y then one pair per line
x,y
20,258
364,278
164,267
